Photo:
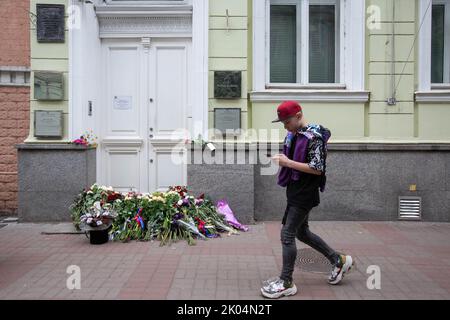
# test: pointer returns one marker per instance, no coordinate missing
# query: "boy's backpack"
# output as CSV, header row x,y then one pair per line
x,y
326,134
323,177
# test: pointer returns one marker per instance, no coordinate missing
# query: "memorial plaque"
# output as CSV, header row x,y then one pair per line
x,y
228,119
48,85
48,124
227,84
50,23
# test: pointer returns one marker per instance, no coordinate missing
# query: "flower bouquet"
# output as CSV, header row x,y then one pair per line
x,y
97,222
164,216
88,140
84,202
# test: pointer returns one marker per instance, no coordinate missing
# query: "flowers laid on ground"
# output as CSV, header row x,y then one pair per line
x,y
164,216
88,139
97,216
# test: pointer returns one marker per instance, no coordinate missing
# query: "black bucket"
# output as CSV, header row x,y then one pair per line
x,y
99,236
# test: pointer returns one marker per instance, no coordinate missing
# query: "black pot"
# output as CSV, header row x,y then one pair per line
x,y
99,236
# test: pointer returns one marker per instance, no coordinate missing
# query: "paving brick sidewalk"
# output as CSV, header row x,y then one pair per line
x,y
414,259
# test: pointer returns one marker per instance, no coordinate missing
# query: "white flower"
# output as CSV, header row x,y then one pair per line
x,y
89,221
118,201
180,202
99,223
97,205
90,192
110,188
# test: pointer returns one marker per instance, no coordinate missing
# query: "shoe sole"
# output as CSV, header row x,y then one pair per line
x,y
285,293
348,266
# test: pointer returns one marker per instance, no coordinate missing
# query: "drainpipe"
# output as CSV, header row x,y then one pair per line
x,y
392,101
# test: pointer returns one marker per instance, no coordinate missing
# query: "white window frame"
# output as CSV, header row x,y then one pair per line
x,y
427,91
446,42
350,59
302,11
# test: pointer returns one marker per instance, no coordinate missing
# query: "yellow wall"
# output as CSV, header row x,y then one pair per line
x,y
49,57
231,49
374,121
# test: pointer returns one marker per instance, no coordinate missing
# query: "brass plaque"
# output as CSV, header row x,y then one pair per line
x,y
227,119
227,84
50,23
48,124
48,85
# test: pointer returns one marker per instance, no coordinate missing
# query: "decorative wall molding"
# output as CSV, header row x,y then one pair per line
x,y
434,96
310,96
146,44
126,26
14,76
135,142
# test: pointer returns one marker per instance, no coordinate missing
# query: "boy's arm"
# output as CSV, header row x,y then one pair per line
x,y
316,156
303,167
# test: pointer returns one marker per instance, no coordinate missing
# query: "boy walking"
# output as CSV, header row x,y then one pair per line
x,y
303,166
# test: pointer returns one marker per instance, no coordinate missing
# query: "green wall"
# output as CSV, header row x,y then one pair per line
x,y
230,48
49,57
374,121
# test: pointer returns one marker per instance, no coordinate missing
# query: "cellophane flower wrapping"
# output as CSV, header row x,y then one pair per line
x,y
224,209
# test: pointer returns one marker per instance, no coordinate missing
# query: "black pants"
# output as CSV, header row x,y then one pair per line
x,y
295,225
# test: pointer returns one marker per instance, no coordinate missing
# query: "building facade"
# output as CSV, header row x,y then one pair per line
x,y
145,76
14,95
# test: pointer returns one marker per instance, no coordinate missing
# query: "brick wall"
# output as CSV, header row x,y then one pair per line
x,y
14,35
14,101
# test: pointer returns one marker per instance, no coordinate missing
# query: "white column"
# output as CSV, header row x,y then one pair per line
x,y
200,30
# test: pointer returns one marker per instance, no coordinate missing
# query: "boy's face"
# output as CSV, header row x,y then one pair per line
x,y
293,123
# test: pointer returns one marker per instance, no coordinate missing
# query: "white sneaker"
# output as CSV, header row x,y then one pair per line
x,y
276,288
344,266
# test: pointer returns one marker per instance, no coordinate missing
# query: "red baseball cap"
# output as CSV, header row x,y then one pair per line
x,y
287,109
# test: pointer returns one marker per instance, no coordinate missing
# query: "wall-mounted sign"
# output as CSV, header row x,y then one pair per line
x,y
123,102
227,84
50,23
48,124
227,119
48,85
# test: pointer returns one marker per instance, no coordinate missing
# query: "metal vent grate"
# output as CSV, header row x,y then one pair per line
x,y
309,260
409,208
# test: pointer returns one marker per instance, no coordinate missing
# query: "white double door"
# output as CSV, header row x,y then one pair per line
x,y
146,106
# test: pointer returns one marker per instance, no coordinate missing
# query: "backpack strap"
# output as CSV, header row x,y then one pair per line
x,y
323,180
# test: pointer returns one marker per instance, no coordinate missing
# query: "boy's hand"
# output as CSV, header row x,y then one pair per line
x,y
281,160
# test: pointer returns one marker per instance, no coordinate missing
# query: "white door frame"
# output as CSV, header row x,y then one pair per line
x,y
85,69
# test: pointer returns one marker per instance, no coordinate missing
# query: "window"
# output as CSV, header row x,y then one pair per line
x,y
440,42
434,50
304,41
309,50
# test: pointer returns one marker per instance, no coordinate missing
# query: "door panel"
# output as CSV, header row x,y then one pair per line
x,y
123,119
145,103
169,84
123,169
123,93
169,88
